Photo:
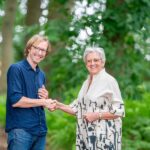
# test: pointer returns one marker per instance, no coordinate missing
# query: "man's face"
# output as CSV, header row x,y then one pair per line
x,y
37,52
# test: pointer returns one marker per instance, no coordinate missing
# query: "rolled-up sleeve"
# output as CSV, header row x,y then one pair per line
x,y
117,104
14,86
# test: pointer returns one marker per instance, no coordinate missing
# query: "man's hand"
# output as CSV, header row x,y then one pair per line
x,y
42,92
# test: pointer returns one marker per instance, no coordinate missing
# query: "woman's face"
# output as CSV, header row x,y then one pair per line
x,y
94,63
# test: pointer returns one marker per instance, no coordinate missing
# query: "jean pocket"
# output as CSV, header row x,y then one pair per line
x,y
21,133
19,139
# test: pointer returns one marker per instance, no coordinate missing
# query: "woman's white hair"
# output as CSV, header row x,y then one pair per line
x,y
99,50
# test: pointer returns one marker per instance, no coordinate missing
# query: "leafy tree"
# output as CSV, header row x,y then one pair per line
x,y
120,27
124,22
125,39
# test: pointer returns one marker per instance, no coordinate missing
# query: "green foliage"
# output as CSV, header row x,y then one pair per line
x,y
61,126
2,110
1,18
61,130
63,74
125,42
136,124
2,4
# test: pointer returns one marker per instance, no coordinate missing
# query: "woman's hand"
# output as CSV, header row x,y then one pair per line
x,y
91,116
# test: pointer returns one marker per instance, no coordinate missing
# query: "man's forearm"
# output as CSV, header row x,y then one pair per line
x,y
25,102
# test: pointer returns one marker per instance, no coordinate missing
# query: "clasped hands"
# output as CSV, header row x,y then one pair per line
x,y
50,104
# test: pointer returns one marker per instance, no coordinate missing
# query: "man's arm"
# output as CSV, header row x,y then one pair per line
x,y
25,102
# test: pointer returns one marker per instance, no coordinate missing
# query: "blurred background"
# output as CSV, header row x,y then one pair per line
x,y
121,27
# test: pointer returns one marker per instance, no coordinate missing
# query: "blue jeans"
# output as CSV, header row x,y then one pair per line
x,y
19,139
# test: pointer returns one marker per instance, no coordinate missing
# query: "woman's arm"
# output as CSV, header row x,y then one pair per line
x,y
108,115
93,116
65,108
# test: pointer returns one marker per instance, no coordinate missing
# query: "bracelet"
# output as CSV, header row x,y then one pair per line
x,y
100,116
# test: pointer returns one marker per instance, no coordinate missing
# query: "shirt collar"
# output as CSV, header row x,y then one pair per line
x,y
28,66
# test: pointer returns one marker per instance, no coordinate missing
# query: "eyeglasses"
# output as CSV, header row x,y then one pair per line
x,y
40,49
93,60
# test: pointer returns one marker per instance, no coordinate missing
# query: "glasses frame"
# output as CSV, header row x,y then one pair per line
x,y
39,49
95,60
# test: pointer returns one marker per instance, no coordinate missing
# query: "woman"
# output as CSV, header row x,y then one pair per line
x,y
99,106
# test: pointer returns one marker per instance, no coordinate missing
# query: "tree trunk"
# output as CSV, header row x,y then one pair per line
x,y
33,14
7,43
60,10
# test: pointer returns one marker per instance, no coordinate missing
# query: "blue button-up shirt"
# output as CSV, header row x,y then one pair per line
x,y
22,80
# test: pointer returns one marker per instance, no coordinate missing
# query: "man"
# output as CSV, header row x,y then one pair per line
x,y
27,97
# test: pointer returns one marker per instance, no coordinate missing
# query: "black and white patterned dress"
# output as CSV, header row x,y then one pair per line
x,y
102,96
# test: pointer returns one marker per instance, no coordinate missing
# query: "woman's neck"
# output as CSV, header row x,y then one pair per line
x,y
90,81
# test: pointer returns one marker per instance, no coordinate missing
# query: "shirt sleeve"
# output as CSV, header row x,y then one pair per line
x,y
74,106
14,84
117,105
